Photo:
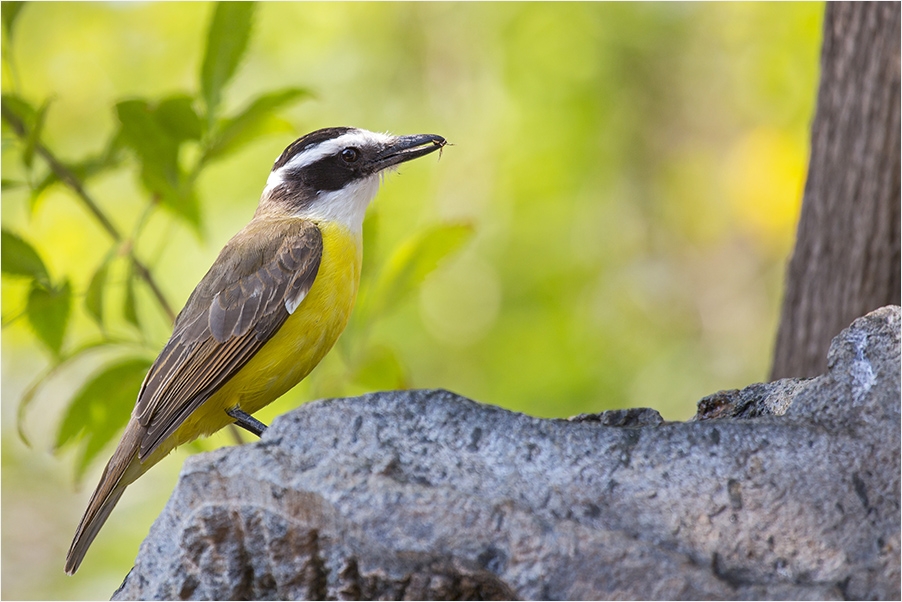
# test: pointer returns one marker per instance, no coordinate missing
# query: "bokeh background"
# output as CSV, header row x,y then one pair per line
x,y
632,173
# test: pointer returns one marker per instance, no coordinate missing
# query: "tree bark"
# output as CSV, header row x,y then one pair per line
x,y
847,260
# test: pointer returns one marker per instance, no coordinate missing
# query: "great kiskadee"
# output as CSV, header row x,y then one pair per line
x,y
271,306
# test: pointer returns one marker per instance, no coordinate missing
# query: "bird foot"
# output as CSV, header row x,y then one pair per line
x,y
247,422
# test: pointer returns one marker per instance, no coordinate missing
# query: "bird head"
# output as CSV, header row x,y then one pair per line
x,y
332,174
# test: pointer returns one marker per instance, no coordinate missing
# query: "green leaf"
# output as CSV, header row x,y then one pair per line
x,y
177,116
146,135
19,108
10,12
227,39
156,149
413,261
18,258
255,120
101,408
130,306
34,135
6,184
94,295
111,156
37,191
152,134
48,312
56,367
10,184
181,200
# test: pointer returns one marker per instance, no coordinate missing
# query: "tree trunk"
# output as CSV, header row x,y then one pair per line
x,y
846,260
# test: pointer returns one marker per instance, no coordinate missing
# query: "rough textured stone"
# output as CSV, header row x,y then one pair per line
x,y
787,490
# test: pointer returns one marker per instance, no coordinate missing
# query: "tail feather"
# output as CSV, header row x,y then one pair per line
x,y
88,530
122,469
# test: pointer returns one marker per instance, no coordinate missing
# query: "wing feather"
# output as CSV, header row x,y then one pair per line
x,y
259,278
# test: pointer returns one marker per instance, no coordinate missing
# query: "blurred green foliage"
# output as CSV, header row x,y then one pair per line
x,y
609,228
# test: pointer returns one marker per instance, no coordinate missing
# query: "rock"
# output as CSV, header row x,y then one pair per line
x,y
787,490
760,399
631,417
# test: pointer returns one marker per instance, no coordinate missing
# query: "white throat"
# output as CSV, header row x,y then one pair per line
x,y
346,206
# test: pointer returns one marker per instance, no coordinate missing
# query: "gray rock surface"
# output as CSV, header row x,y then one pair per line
x,y
787,490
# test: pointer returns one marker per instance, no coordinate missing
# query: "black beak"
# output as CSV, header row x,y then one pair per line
x,y
405,148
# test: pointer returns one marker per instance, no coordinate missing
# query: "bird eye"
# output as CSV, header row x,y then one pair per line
x,y
349,155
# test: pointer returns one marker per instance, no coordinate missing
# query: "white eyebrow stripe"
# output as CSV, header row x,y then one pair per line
x,y
274,179
330,147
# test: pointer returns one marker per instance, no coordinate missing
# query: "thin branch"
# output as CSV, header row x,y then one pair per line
x,y
144,272
71,180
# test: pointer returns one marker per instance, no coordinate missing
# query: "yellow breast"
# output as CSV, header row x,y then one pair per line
x,y
298,346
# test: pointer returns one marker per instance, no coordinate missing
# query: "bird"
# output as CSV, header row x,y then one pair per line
x,y
268,310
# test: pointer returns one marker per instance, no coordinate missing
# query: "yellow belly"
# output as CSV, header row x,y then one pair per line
x,y
298,346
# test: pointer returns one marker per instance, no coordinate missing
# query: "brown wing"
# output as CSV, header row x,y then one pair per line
x,y
258,279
